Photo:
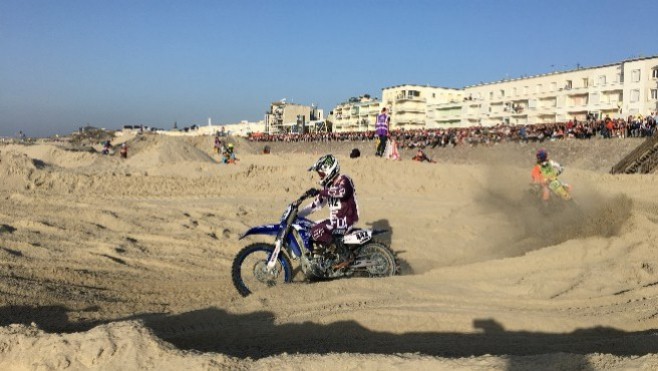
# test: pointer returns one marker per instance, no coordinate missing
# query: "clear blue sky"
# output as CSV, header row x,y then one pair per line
x,y
67,63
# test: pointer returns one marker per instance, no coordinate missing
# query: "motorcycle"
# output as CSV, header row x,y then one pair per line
x,y
262,265
559,199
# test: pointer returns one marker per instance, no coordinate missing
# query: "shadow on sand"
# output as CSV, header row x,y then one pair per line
x,y
256,335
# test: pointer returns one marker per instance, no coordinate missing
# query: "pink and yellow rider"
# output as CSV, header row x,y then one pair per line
x,y
545,174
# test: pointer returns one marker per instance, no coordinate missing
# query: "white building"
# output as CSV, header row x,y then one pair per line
x,y
616,90
629,87
286,117
356,114
243,128
418,106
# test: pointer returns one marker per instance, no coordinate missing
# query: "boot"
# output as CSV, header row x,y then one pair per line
x,y
345,258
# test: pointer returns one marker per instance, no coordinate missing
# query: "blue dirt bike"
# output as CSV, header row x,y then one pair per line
x,y
261,265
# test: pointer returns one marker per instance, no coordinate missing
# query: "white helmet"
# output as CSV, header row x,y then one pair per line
x,y
327,167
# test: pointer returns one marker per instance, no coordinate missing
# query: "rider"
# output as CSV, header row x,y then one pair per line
x,y
337,191
545,175
229,155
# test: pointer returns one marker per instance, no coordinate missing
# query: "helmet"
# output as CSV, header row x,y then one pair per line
x,y
327,167
542,155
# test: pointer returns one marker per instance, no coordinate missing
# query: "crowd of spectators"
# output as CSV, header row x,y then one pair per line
x,y
631,127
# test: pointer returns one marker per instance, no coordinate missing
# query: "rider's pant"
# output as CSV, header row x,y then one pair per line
x,y
323,231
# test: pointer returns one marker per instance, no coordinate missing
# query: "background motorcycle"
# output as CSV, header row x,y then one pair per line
x,y
262,265
560,198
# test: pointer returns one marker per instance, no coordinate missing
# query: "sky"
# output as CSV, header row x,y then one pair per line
x,y
71,63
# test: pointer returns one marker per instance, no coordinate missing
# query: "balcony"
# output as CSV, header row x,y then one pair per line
x,y
610,105
410,107
448,105
545,110
612,86
409,123
577,91
409,98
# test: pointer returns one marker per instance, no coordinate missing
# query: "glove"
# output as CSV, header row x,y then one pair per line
x,y
312,192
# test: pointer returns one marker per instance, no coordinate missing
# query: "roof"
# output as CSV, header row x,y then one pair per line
x,y
561,72
420,86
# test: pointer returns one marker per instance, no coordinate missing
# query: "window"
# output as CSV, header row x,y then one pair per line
x,y
491,95
515,91
654,73
635,95
602,80
585,82
635,76
502,92
568,85
654,94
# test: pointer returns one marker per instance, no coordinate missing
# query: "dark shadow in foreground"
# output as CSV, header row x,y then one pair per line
x,y
256,335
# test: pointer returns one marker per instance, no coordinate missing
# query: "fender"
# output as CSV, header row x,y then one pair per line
x,y
266,229
273,230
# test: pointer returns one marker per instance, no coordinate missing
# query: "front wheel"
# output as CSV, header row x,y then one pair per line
x,y
250,273
380,260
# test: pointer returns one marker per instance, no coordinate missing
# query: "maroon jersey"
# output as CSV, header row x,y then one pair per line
x,y
340,195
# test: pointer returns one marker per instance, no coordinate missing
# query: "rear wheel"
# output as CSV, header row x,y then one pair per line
x,y
250,273
381,260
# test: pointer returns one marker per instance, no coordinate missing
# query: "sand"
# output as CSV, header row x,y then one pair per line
x,y
116,264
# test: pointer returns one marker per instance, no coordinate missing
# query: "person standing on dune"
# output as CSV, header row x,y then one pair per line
x,y
381,130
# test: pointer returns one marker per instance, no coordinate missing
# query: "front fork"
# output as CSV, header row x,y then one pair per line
x,y
271,263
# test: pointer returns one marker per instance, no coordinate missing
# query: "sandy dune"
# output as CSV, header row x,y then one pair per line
x,y
124,264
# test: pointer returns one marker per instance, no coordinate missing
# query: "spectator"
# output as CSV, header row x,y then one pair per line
x,y
124,151
391,151
106,147
218,146
421,157
476,135
229,155
381,129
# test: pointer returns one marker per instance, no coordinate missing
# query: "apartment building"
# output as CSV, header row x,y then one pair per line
x,y
286,117
356,114
629,87
615,90
422,106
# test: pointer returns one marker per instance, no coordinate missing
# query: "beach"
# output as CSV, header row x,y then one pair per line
x,y
115,264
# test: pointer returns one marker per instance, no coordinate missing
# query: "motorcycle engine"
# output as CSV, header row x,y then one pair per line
x,y
321,260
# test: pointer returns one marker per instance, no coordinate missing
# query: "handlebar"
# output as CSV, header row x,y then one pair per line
x,y
301,199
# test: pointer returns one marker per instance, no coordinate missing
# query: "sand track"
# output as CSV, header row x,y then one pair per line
x,y
116,254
